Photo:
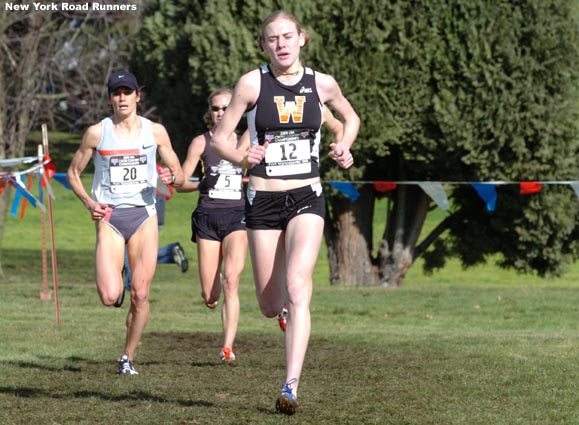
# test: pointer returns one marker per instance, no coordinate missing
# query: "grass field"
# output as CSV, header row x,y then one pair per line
x,y
482,346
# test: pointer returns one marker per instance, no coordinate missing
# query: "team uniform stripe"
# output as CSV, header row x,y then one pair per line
x,y
113,152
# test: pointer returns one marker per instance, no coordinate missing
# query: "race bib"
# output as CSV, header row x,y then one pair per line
x,y
228,186
288,153
128,173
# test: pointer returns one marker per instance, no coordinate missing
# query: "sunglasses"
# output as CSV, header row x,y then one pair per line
x,y
216,108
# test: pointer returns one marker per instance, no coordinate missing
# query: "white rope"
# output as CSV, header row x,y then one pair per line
x,y
12,162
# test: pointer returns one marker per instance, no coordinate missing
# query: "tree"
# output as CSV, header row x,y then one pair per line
x,y
54,67
459,90
186,49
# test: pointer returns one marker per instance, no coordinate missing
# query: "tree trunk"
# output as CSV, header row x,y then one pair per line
x,y
13,132
349,229
4,205
5,196
348,233
404,224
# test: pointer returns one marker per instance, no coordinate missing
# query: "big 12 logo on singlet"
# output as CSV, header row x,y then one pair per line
x,y
288,109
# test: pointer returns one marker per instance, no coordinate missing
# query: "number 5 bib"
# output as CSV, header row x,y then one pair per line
x,y
229,182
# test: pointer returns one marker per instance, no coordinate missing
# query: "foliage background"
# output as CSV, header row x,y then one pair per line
x,y
462,90
468,90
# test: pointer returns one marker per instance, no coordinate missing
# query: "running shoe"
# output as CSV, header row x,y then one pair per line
x,y
212,305
287,402
227,355
119,301
179,257
282,319
126,366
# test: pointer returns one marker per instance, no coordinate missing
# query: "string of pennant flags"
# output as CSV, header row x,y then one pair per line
x,y
435,190
44,170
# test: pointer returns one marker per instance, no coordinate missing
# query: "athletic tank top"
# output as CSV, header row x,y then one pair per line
x,y
221,186
124,172
289,117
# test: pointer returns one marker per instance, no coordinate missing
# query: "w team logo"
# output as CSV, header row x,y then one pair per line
x,y
288,109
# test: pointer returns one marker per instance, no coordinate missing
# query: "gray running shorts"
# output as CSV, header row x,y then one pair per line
x,y
126,221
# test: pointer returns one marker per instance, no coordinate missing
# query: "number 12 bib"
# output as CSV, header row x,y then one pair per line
x,y
288,153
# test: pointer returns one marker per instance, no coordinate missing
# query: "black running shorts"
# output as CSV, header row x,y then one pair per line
x,y
273,210
215,224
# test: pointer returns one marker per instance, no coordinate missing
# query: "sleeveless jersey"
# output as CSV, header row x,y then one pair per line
x,y
221,186
289,117
124,172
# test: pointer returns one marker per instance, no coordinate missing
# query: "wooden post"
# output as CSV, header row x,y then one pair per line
x,y
45,294
52,241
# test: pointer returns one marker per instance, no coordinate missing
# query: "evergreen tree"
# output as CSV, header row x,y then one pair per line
x,y
188,48
447,90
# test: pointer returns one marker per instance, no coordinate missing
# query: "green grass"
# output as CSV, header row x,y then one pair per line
x,y
481,346
61,147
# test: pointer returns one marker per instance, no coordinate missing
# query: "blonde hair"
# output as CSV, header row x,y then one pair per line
x,y
207,119
281,14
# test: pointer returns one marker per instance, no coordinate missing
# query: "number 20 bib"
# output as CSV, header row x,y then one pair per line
x,y
128,173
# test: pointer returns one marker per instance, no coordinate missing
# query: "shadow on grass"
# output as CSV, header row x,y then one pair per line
x,y
179,370
29,365
139,396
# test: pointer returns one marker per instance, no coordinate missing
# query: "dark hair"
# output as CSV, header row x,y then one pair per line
x,y
207,119
281,14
